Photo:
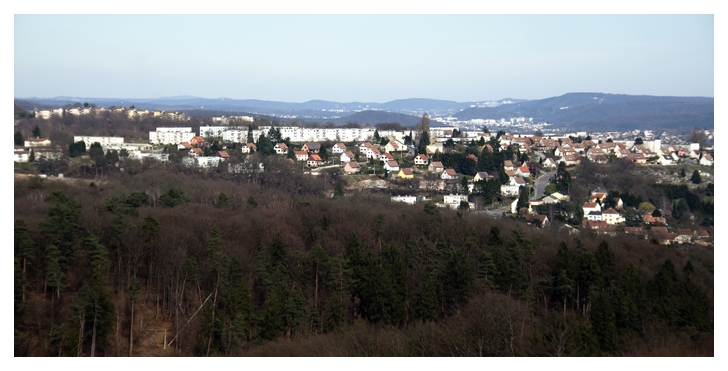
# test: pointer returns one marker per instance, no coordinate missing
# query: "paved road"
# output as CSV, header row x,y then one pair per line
x,y
541,184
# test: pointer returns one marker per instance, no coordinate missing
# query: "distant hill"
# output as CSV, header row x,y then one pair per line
x,y
572,111
589,111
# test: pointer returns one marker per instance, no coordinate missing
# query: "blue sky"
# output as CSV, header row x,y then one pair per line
x,y
366,58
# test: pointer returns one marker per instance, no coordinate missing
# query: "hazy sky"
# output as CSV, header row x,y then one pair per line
x,y
366,58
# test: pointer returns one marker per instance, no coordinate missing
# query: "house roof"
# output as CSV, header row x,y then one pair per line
x,y
702,233
353,165
223,154
524,169
314,157
300,153
520,180
685,232
482,174
589,205
282,146
251,145
436,164
349,154
312,146
659,229
340,145
610,211
451,172
392,163
406,171
422,157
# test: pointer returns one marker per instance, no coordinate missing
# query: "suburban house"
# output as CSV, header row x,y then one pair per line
x,y
248,148
43,142
347,156
352,167
406,199
523,171
706,160
436,166
454,200
311,147
394,146
421,160
281,148
508,165
406,173
611,216
314,160
338,148
481,175
301,155
548,163
449,174
391,166
536,219
436,147
594,216
513,187
591,206
197,140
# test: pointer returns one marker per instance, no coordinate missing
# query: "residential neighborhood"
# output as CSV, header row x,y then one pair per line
x,y
468,167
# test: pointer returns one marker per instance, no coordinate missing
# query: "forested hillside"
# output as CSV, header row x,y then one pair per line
x,y
261,264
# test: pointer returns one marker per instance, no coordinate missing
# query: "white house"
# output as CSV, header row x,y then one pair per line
x,y
280,148
421,160
391,166
338,148
611,216
591,206
513,187
346,157
707,159
449,174
406,199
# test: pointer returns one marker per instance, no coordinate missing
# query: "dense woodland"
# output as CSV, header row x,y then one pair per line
x,y
265,264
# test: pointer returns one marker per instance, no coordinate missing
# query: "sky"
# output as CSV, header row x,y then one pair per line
x,y
363,58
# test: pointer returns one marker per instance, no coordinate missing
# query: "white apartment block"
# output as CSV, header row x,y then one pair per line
x,y
171,135
228,119
406,199
48,113
104,141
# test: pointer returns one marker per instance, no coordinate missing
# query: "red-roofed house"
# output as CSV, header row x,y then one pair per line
x,y
281,148
591,206
314,160
449,174
301,155
352,167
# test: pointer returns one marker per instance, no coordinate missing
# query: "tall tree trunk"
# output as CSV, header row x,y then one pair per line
x,y
212,321
131,329
315,294
80,334
93,336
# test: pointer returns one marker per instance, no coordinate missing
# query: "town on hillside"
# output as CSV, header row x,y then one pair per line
x,y
501,174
